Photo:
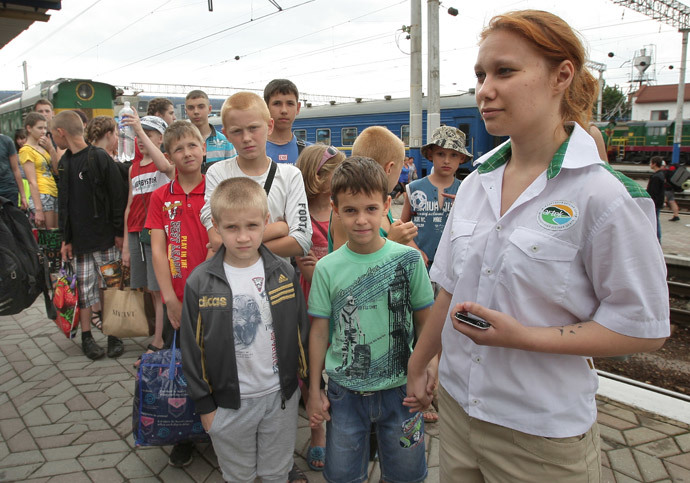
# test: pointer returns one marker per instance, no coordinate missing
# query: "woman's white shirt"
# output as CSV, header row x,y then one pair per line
x,y
576,245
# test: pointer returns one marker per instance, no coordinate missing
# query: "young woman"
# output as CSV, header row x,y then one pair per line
x,y
554,252
101,131
35,157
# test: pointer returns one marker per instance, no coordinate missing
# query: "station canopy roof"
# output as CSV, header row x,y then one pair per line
x,y
18,15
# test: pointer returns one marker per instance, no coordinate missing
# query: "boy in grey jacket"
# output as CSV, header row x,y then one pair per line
x,y
244,334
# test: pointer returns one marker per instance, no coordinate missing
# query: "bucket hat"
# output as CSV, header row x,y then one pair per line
x,y
154,123
447,137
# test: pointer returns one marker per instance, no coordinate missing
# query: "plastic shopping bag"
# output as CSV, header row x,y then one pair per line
x,y
65,299
163,413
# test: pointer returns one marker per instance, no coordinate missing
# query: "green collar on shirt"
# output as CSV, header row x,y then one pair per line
x,y
501,157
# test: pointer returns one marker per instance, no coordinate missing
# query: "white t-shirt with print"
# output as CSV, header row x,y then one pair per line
x,y
255,347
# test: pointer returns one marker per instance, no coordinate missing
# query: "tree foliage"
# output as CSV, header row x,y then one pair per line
x,y
615,104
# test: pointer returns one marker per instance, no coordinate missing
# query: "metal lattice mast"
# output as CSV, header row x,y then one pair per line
x,y
677,15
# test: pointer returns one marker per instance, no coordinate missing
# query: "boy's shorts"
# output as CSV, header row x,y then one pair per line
x,y
141,274
256,440
89,277
347,436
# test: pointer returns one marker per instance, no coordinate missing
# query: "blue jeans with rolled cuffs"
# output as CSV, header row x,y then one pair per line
x,y
347,436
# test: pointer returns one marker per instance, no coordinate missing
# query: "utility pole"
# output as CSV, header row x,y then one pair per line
x,y
677,15
433,107
599,67
416,81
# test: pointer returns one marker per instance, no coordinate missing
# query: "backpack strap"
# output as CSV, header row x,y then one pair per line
x,y
300,146
269,178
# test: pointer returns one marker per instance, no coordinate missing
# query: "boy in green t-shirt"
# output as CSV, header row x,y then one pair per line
x,y
367,299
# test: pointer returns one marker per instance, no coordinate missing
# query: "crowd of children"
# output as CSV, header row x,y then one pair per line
x,y
280,262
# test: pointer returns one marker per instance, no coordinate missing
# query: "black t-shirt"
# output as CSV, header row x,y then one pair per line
x,y
89,233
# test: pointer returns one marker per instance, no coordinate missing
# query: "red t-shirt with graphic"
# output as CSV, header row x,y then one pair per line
x,y
177,214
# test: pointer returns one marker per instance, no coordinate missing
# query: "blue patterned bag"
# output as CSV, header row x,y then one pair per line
x,y
163,412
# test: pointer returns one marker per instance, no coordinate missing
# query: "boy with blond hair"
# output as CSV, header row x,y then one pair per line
x,y
247,123
178,239
244,332
198,107
384,147
367,300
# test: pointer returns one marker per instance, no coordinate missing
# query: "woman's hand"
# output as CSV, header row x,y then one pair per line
x,y
505,331
39,218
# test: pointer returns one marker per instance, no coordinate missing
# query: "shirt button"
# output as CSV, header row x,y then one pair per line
x,y
475,402
489,271
498,227
478,359
535,248
189,205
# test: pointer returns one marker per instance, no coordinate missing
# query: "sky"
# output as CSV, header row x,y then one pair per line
x,y
353,48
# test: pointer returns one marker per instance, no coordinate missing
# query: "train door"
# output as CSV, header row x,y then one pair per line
x,y
466,125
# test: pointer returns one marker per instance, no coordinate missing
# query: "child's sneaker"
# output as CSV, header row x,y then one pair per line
x,y
181,454
90,349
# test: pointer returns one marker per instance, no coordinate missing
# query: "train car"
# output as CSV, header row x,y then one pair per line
x,y
637,141
339,124
94,98
141,103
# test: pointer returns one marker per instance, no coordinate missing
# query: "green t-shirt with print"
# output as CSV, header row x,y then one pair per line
x,y
369,301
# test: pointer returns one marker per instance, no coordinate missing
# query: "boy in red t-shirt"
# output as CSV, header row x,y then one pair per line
x,y
178,239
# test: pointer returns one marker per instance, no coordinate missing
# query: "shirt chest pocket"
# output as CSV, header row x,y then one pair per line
x,y
460,236
536,265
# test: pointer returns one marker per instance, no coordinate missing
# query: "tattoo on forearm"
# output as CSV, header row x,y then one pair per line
x,y
569,328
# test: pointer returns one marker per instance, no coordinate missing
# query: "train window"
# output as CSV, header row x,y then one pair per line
x,y
465,128
405,134
323,136
656,131
85,91
300,134
348,135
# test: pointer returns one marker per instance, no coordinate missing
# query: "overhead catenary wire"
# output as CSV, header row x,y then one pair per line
x,y
205,37
119,31
36,44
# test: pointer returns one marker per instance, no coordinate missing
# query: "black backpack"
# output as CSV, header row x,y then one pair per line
x,y
23,268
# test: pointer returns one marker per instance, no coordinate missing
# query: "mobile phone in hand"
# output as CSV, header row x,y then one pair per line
x,y
472,320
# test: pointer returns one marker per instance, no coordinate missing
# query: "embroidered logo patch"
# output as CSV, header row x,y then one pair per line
x,y
558,215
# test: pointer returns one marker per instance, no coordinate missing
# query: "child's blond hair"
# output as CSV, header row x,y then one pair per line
x,y
243,101
315,174
381,145
179,129
238,195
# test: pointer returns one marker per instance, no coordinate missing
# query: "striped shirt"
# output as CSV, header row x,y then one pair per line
x,y
218,148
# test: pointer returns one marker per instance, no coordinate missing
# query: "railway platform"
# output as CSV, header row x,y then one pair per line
x,y
66,418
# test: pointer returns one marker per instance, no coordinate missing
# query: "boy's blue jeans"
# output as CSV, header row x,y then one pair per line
x,y
347,436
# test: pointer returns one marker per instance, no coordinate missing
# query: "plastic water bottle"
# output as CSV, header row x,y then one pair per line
x,y
125,141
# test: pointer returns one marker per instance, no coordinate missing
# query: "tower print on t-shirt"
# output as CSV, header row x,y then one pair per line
x,y
356,351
